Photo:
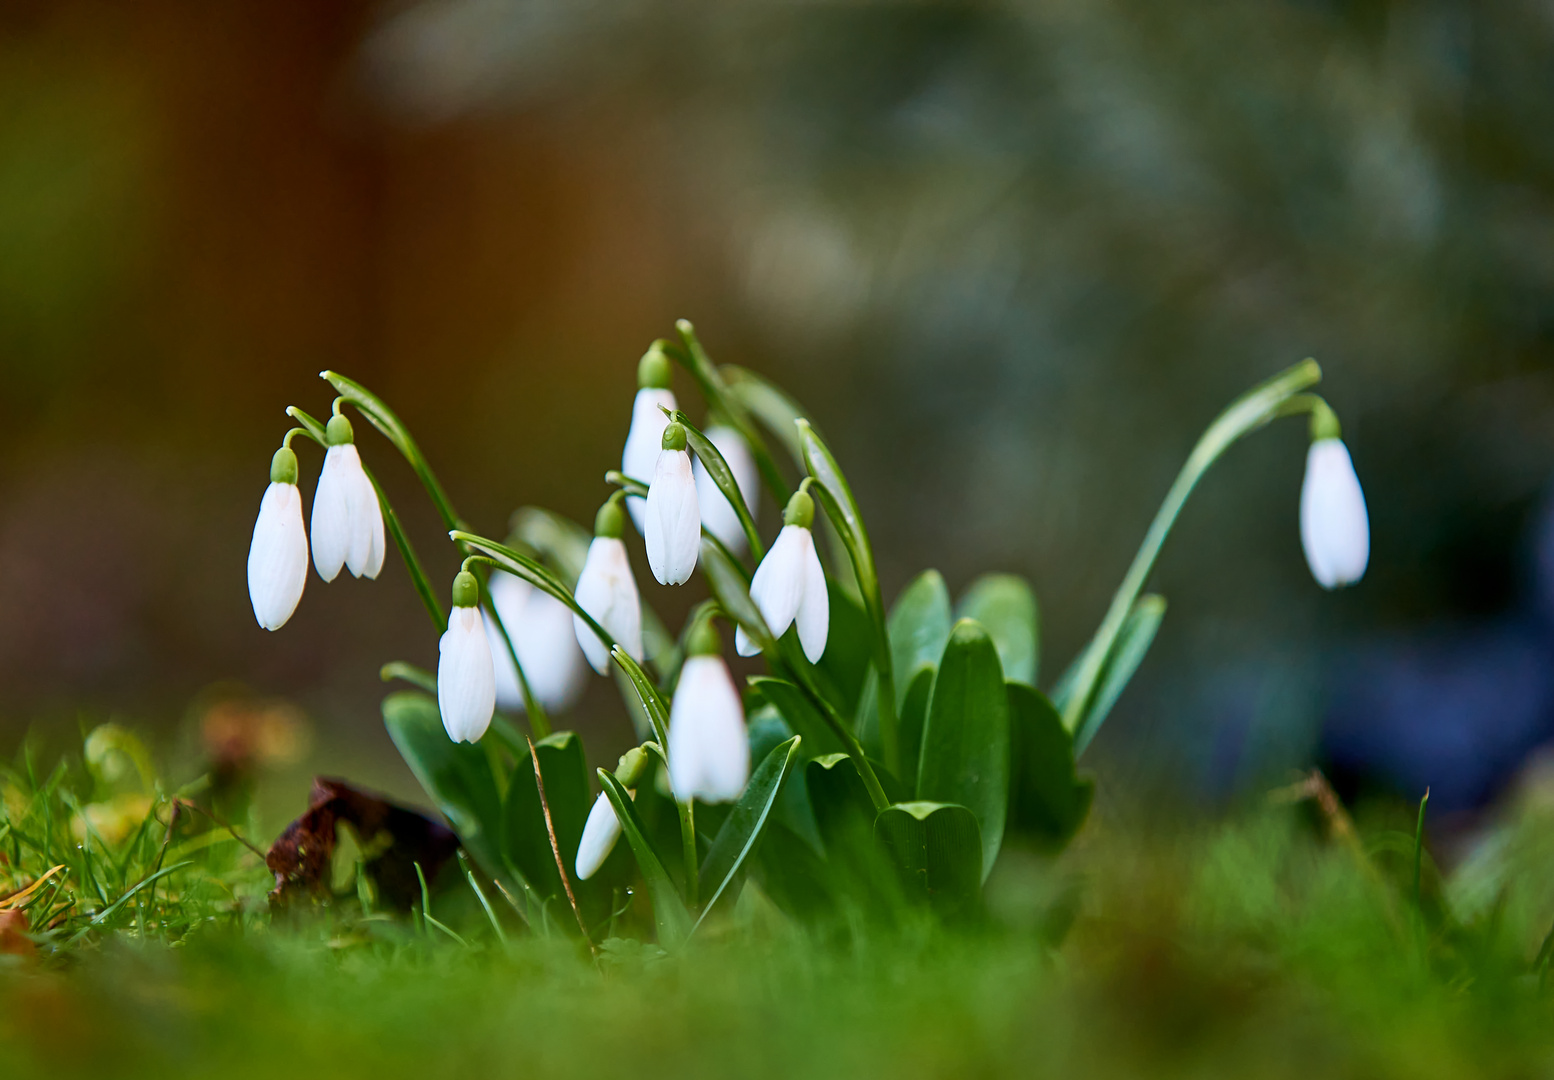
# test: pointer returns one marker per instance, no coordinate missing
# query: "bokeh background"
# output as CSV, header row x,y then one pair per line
x,y
1012,256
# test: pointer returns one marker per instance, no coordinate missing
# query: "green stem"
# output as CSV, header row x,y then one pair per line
x,y
688,847
1246,414
843,730
710,382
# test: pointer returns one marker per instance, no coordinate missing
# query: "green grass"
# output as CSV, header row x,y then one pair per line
x,y
1256,946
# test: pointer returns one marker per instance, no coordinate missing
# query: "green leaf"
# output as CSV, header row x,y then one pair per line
x,y
849,646
711,459
1005,604
837,499
799,712
456,775
653,702
560,539
742,829
1048,801
531,570
728,584
766,403
965,749
525,838
937,850
670,918
919,626
1133,641
914,717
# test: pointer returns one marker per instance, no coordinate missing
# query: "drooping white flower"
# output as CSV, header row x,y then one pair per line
x,y
278,553
790,587
717,514
647,424
466,679
672,523
1334,529
541,630
600,832
347,521
608,592
709,753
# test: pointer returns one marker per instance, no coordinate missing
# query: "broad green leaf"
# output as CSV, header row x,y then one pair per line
x,y
670,918
560,539
457,776
937,851
914,716
717,469
799,712
794,874
857,871
965,748
1133,641
742,829
1048,802
767,729
526,840
919,626
838,797
1005,604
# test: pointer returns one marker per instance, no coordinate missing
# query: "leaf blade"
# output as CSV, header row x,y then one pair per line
x,y
670,917
745,824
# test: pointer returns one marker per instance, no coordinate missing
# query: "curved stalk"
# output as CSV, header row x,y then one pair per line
x,y
1252,410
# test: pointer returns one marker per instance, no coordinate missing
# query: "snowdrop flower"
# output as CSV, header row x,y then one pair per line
x,y
672,522
789,586
608,592
717,514
1334,529
600,832
540,627
466,680
278,554
647,423
347,521
709,753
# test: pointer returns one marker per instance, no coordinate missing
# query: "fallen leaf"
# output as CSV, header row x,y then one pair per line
x,y
397,838
13,934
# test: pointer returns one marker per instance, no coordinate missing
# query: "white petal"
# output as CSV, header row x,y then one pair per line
x,y
709,752
1334,528
363,516
644,440
332,512
742,643
377,548
508,694
717,513
672,521
778,584
547,648
466,679
277,556
814,614
608,592
600,832
510,596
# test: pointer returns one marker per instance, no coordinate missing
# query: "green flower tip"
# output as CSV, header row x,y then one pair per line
x,y
969,631
800,510
283,466
1324,422
466,590
609,521
338,431
704,640
674,437
632,767
653,370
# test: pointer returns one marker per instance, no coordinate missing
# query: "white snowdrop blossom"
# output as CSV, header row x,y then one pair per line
x,y
466,679
1334,528
347,521
600,832
608,592
789,586
709,753
717,513
540,627
278,553
648,421
672,522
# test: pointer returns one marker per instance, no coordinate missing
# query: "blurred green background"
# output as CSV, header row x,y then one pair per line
x,y
1012,256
